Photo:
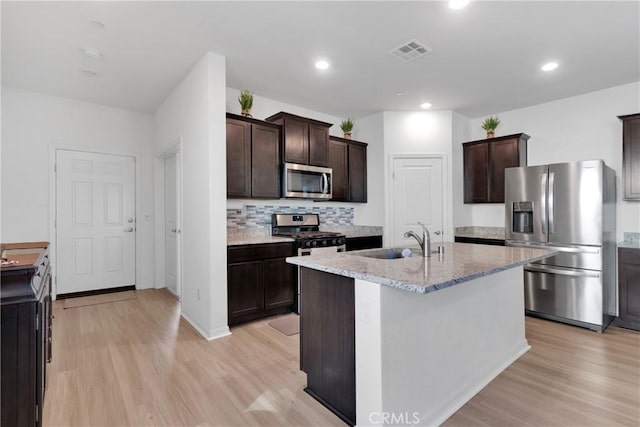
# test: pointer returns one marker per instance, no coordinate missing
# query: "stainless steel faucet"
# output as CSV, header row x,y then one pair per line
x,y
424,242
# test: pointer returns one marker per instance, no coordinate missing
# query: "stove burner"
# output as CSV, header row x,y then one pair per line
x,y
307,235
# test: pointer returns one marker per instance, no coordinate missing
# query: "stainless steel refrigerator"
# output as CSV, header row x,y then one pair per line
x,y
570,207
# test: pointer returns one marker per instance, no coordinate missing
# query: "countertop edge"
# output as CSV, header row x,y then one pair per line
x,y
408,286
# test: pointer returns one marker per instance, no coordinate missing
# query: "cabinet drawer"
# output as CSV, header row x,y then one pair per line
x,y
259,252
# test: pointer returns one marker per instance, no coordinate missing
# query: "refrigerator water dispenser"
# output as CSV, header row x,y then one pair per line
x,y
522,217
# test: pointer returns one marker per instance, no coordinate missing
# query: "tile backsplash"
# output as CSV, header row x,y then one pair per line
x,y
632,238
259,217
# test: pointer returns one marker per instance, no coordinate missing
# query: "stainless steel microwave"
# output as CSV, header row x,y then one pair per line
x,y
306,182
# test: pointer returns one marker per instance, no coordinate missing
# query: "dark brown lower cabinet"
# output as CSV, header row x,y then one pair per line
x,y
25,335
327,340
260,283
629,287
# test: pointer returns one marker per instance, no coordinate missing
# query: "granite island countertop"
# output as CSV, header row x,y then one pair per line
x,y
460,263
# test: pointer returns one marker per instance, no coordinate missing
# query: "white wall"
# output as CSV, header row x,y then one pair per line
x,y
32,123
265,107
460,132
578,128
419,133
195,113
370,129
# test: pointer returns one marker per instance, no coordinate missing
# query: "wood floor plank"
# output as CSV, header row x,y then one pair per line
x,y
136,362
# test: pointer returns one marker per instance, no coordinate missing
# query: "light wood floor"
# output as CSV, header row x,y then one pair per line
x,y
134,362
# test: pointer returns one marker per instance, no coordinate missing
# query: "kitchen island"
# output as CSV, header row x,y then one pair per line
x,y
425,334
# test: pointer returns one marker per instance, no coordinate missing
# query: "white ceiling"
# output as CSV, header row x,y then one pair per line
x,y
486,58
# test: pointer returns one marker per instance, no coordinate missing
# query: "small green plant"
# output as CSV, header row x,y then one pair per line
x,y
490,124
347,125
246,101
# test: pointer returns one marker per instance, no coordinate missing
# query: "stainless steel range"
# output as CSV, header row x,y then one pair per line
x,y
305,229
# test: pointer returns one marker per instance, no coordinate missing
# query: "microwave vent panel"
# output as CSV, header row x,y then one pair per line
x,y
411,50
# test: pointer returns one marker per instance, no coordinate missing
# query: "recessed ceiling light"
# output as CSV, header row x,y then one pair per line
x,y
399,93
322,65
549,66
92,53
97,24
425,105
90,73
458,4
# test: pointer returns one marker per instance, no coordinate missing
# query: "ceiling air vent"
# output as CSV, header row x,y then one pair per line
x,y
410,50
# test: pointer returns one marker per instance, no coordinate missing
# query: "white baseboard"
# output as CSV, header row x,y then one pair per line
x,y
212,335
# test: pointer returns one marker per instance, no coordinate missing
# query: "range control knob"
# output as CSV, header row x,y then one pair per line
x,y
307,244
324,243
342,241
334,242
314,243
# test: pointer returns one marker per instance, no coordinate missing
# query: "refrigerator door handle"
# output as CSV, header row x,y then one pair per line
x,y
543,203
573,273
552,227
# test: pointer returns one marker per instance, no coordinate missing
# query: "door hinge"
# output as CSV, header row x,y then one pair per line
x,y
37,322
55,167
37,413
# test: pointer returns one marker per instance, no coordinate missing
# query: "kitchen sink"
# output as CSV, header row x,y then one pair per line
x,y
388,253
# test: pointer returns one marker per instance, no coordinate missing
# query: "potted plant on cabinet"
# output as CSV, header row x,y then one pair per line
x,y
490,124
347,127
246,102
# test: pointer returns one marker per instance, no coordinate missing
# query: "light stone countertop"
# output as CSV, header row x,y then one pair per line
x,y
351,231
629,245
253,237
460,263
480,232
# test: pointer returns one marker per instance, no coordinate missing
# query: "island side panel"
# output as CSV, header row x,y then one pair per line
x,y
437,350
327,340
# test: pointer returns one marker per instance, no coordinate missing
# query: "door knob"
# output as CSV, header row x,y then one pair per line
x,y
128,230
437,233
130,220
173,230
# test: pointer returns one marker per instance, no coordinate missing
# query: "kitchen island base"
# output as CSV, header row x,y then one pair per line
x,y
419,357
422,357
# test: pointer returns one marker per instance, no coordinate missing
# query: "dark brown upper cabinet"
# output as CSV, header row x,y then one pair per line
x,y
348,161
305,141
253,158
484,164
631,156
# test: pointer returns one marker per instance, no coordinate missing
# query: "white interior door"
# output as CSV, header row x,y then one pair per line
x,y
416,195
171,224
95,221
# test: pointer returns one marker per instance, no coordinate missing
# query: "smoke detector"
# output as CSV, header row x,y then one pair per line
x,y
409,51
